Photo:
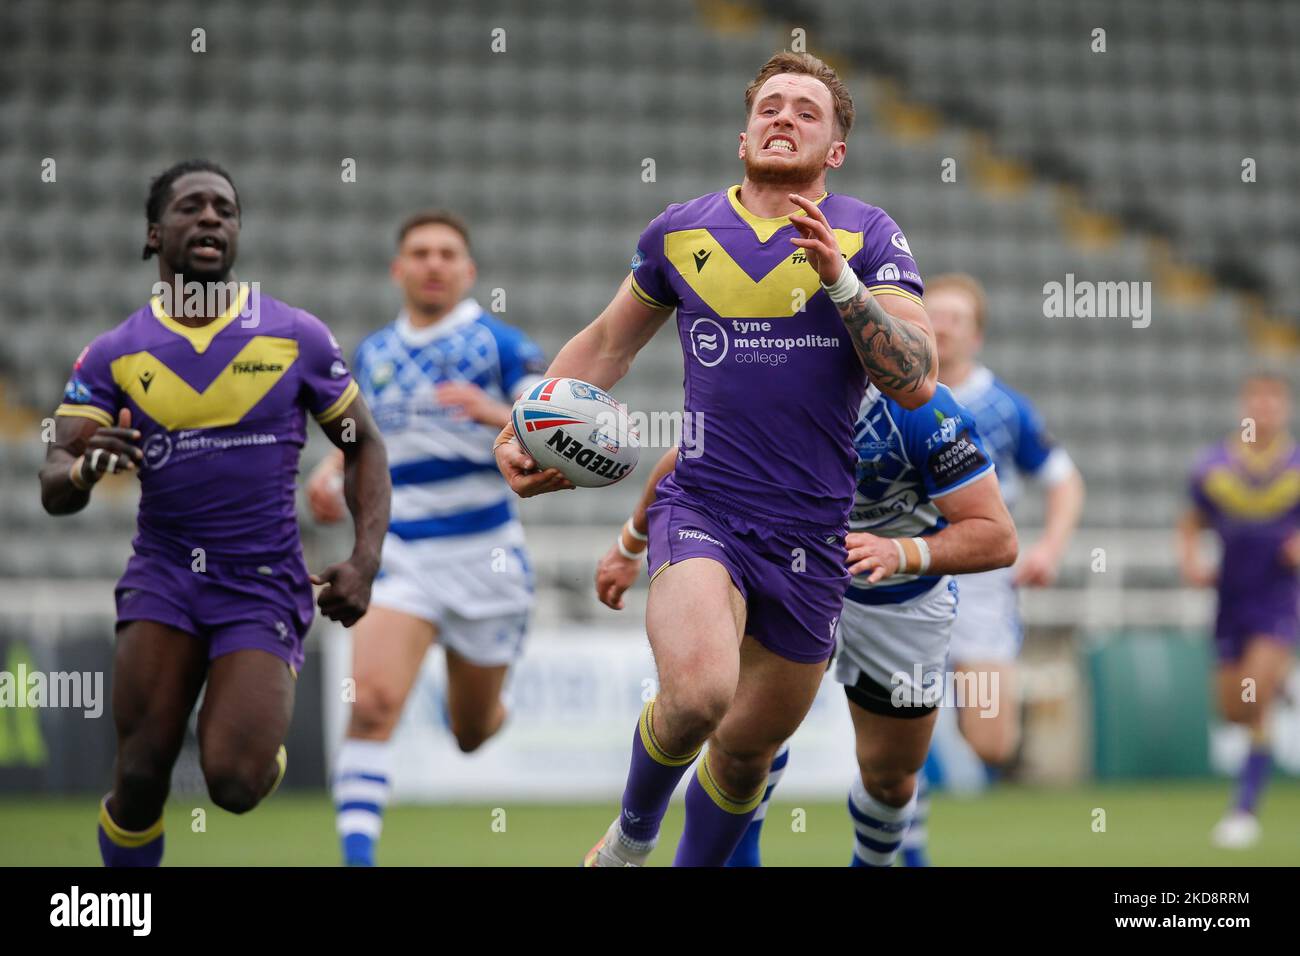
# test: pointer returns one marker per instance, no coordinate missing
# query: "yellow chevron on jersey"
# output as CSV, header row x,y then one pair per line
x,y
728,290
1243,500
174,404
201,336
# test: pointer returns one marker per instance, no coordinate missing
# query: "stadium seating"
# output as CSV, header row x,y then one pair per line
x,y
543,147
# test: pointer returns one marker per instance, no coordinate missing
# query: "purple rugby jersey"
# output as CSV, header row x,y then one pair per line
x,y
1252,501
222,413
771,372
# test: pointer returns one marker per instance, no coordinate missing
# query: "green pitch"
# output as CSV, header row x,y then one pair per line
x,y
1147,824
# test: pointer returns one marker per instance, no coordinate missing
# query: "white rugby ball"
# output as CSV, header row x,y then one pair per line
x,y
578,428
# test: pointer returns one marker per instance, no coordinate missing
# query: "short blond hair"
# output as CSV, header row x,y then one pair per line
x,y
807,65
963,282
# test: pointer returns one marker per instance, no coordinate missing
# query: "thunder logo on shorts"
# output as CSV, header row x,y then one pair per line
x,y
222,410
770,370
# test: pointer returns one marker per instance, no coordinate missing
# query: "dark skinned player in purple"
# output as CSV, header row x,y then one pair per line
x,y
205,398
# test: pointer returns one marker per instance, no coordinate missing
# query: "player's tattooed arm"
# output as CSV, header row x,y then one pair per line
x,y
367,489
80,455
896,350
891,333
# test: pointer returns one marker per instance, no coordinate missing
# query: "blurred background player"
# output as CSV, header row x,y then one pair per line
x,y
1247,490
987,635
208,407
740,635
927,506
441,379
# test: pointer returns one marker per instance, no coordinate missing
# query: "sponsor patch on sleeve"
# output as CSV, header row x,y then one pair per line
x,y
955,460
76,392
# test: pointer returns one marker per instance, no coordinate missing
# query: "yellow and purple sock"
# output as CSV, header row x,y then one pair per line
x,y
651,779
715,820
281,765
120,847
1253,776
747,853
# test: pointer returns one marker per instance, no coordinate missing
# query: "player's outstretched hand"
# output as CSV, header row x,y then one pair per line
x,y
521,471
868,552
614,575
112,450
472,403
325,492
345,596
1037,568
818,238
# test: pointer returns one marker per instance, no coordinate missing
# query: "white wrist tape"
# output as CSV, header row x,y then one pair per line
x,y
923,556
923,546
845,288
623,550
637,535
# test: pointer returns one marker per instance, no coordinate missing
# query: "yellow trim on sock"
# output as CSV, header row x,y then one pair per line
x,y
724,800
657,753
282,761
130,839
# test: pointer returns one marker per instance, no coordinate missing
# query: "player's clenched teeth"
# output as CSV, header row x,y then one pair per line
x,y
208,245
780,142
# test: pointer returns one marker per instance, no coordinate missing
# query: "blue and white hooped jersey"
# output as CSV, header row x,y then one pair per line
x,y
906,459
1013,433
445,478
